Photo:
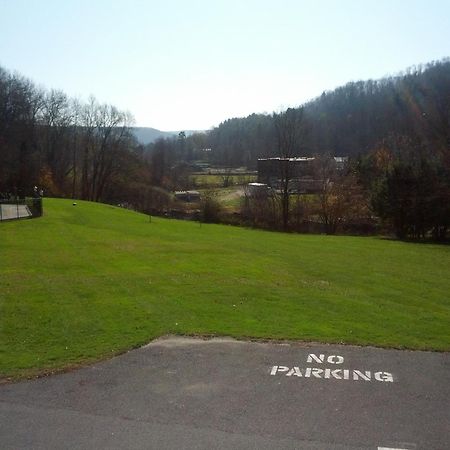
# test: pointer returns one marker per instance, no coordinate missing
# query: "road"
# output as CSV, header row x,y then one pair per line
x,y
223,394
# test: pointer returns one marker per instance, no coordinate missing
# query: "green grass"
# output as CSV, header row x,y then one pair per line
x,y
90,281
212,181
229,198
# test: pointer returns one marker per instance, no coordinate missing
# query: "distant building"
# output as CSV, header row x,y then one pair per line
x,y
301,172
257,189
187,196
270,169
341,161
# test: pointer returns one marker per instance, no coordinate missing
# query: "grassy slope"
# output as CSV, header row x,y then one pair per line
x,y
89,281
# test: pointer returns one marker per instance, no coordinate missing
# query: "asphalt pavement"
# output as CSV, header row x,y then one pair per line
x,y
183,393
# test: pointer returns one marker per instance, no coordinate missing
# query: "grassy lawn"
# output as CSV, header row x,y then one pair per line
x,y
88,281
230,198
212,181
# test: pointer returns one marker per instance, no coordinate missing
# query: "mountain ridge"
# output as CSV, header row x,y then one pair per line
x,y
147,135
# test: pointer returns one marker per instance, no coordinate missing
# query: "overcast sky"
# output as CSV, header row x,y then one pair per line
x,y
192,64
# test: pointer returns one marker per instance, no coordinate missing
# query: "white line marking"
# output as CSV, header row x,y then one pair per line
x,y
390,448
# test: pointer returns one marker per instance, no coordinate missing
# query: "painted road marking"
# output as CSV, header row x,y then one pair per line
x,y
327,373
391,448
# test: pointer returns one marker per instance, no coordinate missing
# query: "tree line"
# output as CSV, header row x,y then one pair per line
x,y
396,132
350,120
66,147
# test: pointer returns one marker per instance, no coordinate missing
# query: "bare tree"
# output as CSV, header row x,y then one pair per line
x,y
227,178
341,198
105,137
289,132
55,121
260,207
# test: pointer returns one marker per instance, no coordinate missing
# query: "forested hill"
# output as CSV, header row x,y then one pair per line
x,y
147,135
352,119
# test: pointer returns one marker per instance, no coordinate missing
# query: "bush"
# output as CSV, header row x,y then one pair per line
x,y
210,208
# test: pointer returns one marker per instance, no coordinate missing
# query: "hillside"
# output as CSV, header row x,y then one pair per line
x,y
89,281
147,135
352,119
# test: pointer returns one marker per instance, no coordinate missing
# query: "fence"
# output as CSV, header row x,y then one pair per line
x,y
25,208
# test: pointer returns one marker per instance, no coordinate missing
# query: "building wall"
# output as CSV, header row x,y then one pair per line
x,y
270,170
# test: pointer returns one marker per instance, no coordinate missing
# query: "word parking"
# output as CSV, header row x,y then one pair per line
x,y
331,373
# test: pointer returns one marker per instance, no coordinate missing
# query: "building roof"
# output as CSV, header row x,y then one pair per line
x,y
295,158
339,159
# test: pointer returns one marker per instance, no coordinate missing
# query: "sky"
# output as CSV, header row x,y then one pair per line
x,y
189,65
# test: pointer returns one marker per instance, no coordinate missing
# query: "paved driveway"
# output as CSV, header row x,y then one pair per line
x,y
225,394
